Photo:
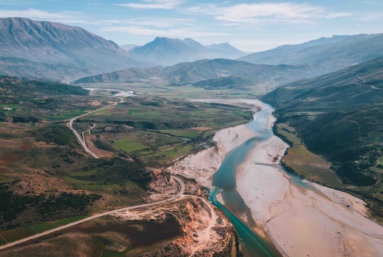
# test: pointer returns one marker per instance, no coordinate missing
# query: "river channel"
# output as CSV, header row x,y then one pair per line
x,y
224,182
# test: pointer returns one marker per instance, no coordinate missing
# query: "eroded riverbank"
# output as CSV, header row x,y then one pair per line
x,y
303,219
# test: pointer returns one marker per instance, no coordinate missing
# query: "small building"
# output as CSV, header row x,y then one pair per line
x,y
8,109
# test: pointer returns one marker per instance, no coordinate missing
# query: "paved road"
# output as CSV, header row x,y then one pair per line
x,y
82,142
83,133
79,138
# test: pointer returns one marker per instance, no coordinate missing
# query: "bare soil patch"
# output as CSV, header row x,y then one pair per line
x,y
25,147
11,158
100,153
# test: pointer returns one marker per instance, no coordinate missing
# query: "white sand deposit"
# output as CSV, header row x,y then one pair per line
x,y
204,164
302,220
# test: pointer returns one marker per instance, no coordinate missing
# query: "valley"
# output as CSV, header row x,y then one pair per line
x,y
176,128
126,182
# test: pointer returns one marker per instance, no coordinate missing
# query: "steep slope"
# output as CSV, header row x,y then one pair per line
x,y
336,53
57,49
230,51
359,84
283,54
266,77
223,83
35,88
129,75
129,47
339,116
168,51
269,76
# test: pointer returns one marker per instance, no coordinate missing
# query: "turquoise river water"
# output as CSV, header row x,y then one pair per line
x,y
224,182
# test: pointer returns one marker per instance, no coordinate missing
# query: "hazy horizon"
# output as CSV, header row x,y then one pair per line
x,y
248,25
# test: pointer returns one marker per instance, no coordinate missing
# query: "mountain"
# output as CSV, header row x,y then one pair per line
x,y
335,53
129,47
228,49
56,51
339,116
223,83
128,75
359,84
266,77
22,87
168,51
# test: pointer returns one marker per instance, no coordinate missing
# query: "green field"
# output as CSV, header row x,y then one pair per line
x,y
110,253
380,161
304,162
129,146
189,133
2,241
165,157
181,92
20,233
144,114
13,106
104,112
66,115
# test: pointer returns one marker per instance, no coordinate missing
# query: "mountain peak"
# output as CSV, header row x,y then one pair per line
x,y
226,47
53,44
170,51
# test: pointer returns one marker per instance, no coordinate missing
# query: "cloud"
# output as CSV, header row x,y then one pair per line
x,y
141,31
268,13
371,16
16,2
159,23
67,17
155,4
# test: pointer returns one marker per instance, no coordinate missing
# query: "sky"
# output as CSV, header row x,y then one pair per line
x,y
246,24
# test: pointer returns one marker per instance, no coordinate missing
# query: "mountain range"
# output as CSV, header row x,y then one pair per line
x,y
335,53
339,116
236,73
169,51
358,84
55,51
129,47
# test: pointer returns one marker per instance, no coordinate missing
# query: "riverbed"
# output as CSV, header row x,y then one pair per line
x,y
276,213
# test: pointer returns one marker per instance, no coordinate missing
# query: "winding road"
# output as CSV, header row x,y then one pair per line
x,y
83,144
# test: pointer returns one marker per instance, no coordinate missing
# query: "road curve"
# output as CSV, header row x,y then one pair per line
x,y
181,192
82,142
83,133
79,138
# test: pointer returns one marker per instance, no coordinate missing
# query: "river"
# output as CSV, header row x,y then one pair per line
x,y
234,207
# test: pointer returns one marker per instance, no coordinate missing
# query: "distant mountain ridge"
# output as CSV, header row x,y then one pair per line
x,y
217,73
58,51
358,84
339,116
129,47
169,51
335,53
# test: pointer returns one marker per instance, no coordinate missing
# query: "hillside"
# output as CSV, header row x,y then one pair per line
x,y
335,53
55,51
128,47
252,75
223,83
339,117
228,49
359,84
32,87
169,51
129,75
